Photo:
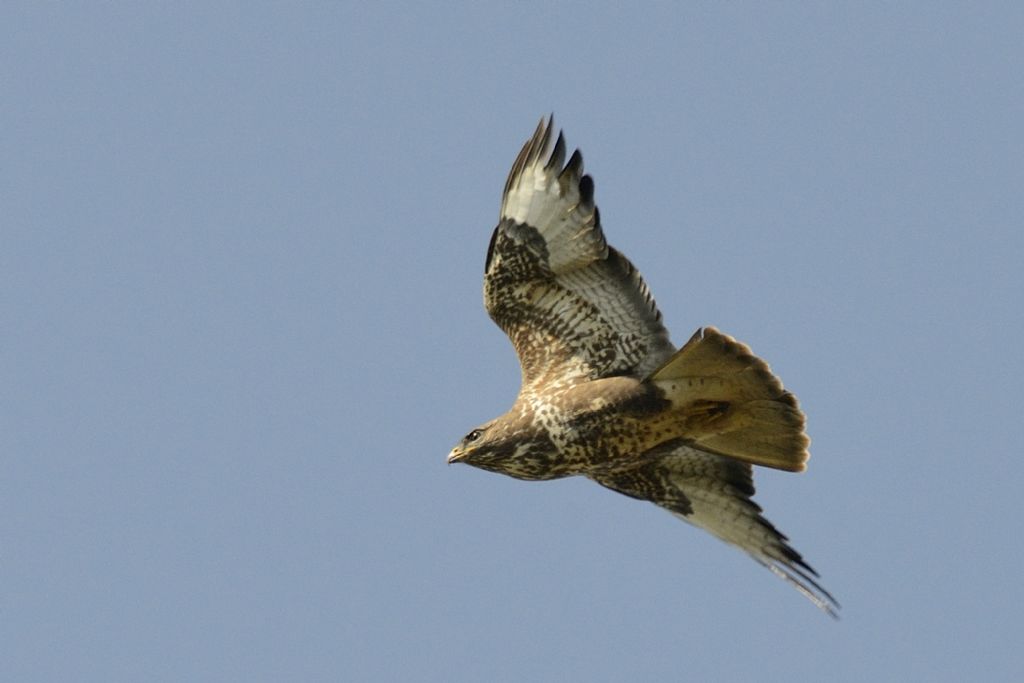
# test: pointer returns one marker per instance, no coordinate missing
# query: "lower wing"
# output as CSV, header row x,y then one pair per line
x,y
714,493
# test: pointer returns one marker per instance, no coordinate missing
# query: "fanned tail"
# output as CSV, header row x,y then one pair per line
x,y
729,402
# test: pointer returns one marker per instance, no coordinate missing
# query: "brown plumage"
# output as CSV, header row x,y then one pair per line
x,y
604,392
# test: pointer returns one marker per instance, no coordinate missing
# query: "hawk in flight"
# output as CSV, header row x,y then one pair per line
x,y
604,392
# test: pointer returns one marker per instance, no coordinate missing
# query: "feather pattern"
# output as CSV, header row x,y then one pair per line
x,y
714,493
575,308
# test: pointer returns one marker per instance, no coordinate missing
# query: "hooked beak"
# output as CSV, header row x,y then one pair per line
x,y
456,455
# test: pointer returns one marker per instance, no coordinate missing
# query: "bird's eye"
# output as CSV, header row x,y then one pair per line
x,y
473,435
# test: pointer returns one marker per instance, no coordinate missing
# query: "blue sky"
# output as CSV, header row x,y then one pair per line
x,y
240,269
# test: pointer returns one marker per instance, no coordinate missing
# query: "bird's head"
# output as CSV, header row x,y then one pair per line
x,y
519,452
479,447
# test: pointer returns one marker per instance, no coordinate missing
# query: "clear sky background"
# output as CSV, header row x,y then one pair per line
x,y
241,251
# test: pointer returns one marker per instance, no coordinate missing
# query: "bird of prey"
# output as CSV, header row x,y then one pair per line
x,y
604,392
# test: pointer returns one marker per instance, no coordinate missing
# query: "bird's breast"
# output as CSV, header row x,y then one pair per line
x,y
607,423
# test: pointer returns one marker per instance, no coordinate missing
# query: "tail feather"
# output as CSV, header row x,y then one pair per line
x,y
729,403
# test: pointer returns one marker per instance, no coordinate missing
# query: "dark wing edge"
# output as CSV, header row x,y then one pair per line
x,y
551,275
714,493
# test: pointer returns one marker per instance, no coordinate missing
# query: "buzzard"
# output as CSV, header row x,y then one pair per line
x,y
604,392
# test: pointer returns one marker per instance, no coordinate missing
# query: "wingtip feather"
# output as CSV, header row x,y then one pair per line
x,y
804,584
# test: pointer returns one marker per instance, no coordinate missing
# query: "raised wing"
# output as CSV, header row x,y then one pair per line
x,y
714,493
575,308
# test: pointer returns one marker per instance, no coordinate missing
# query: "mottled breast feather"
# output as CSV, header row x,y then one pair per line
x,y
574,308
